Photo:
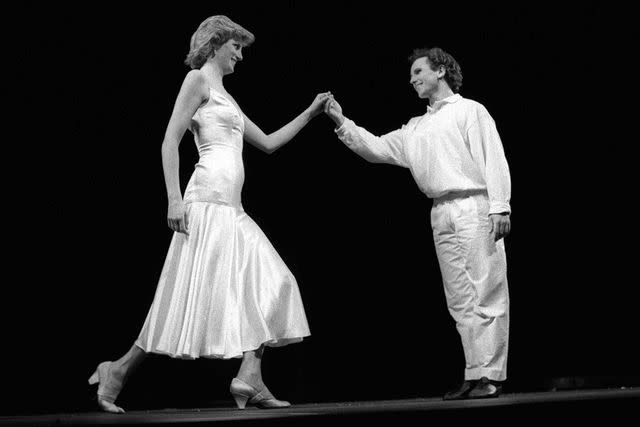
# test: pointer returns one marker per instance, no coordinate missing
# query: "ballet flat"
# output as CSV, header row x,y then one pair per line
x,y
243,393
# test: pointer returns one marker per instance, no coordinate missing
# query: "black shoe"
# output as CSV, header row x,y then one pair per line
x,y
461,392
485,389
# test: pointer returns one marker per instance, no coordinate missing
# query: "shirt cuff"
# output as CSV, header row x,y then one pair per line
x,y
340,130
499,207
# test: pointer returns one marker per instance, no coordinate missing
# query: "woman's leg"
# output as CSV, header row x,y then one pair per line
x,y
127,364
250,370
113,375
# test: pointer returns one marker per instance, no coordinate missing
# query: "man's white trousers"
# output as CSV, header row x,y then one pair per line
x,y
474,274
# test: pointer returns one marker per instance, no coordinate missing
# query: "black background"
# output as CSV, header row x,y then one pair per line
x,y
86,231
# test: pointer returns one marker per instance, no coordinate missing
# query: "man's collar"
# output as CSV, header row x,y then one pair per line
x,y
448,100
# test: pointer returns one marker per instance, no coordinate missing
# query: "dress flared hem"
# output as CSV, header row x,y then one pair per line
x,y
280,342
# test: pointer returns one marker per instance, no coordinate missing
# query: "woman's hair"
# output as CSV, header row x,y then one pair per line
x,y
211,34
437,58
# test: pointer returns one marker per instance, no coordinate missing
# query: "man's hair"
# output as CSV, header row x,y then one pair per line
x,y
212,33
439,58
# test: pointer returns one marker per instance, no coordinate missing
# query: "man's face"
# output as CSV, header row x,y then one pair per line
x,y
423,79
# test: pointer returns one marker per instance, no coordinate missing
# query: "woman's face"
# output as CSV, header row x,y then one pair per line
x,y
228,54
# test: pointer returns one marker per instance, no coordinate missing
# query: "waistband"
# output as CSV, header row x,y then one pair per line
x,y
453,195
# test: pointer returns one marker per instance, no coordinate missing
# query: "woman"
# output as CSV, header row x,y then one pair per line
x,y
224,292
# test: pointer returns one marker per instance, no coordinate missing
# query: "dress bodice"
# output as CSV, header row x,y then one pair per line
x,y
218,177
218,122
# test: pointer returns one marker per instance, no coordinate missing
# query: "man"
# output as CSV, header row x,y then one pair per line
x,y
456,157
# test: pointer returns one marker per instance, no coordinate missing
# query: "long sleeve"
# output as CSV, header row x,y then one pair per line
x,y
388,148
486,148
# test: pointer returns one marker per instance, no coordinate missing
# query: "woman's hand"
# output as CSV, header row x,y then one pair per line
x,y
318,103
177,217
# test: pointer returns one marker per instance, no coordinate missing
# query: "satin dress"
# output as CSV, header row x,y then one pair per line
x,y
223,289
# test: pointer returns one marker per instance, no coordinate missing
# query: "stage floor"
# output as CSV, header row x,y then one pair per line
x,y
612,404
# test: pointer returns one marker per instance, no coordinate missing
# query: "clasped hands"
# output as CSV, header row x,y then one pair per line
x,y
327,103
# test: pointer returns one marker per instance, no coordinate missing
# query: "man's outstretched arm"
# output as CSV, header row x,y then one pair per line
x,y
387,148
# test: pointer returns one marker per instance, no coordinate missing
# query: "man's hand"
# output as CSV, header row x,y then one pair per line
x,y
334,111
500,225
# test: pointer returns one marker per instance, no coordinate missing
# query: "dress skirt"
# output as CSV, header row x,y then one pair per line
x,y
223,290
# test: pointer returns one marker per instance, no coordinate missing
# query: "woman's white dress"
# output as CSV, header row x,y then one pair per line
x,y
223,289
